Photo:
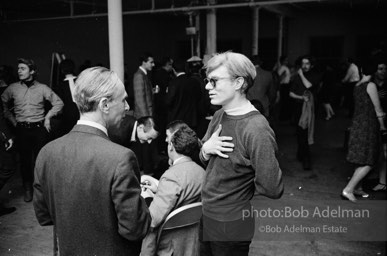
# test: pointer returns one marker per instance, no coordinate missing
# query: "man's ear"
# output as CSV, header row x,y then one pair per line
x,y
104,105
239,83
32,71
171,148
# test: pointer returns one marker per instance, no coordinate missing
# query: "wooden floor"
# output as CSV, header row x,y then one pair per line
x,y
20,234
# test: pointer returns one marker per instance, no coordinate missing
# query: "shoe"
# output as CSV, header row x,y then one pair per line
x,y
358,192
380,187
348,196
6,210
28,196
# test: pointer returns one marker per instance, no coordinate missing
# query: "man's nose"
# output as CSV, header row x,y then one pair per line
x,y
127,107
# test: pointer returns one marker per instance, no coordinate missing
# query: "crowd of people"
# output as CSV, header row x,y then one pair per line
x,y
87,144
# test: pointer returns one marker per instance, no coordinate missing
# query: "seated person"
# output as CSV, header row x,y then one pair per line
x,y
180,185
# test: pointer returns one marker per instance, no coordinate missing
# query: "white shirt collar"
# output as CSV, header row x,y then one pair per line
x,y
241,110
93,124
180,74
133,137
143,70
69,76
179,159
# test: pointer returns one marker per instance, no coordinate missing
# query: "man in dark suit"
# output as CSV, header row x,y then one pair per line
x,y
142,88
161,78
184,97
138,136
87,186
263,88
70,113
7,159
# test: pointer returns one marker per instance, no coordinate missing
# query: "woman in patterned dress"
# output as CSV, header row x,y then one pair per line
x,y
364,140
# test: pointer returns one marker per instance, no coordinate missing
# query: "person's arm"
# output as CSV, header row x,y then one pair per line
x,y
139,95
281,73
132,212
168,192
57,105
305,81
347,75
373,93
297,97
171,95
40,205
5,98
262,148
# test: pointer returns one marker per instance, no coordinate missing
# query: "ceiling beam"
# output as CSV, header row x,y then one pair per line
x,y
178,9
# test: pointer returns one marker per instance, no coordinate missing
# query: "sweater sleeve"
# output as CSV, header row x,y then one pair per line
x,y
262,149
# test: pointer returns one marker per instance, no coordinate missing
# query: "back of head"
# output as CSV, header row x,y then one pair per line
x,y
183,138
283,58
92,85
175,125
166,61
67,66
256,60
144,57
179,66
148,123
237,65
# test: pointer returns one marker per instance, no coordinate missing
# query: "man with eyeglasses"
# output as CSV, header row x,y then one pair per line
x,y
240,153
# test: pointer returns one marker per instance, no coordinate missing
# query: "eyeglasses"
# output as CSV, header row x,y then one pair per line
x,y
213,80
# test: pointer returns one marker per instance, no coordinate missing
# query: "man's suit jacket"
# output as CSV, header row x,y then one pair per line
x,y
70,112
88,188
180,185
183,99
263,89
143,95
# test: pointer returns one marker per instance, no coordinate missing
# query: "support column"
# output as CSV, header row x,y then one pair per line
x,y
192,37
255,46
280,35
116,43
197,25
211,31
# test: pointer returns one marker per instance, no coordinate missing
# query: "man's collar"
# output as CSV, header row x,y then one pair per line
x,y
133,137
28,83
245,108
143,70
180,74
180,159
93,124
69,76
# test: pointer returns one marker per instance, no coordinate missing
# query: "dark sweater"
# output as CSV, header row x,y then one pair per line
x,y
252,167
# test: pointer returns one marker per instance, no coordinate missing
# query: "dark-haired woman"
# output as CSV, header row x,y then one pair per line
x,y
364,141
